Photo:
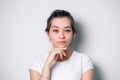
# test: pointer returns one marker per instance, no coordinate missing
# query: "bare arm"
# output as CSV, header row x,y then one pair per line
x,y
34,75
45,74
88,75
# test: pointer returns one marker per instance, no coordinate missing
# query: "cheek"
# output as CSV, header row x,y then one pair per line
x,y
53,38
70,37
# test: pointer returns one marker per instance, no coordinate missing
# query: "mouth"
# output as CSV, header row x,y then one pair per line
x,y
61,42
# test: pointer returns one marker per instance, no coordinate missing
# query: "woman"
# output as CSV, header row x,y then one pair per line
x,y
61,63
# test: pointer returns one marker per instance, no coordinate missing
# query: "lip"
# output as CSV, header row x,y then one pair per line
x,y
62,42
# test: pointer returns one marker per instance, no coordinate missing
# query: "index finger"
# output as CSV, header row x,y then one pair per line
x,y
63,48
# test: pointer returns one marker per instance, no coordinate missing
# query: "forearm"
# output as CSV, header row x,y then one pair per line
x,y
53,56
45,75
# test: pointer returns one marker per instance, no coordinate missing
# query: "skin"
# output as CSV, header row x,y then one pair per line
x,y
60,35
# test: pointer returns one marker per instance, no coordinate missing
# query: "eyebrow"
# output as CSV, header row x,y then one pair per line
x,y
58,27
55,26
68,27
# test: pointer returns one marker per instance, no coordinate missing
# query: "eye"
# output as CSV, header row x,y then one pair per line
x,y
67,30
55,30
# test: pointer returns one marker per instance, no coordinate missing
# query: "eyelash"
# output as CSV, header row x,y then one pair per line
x,y
68,30
55,31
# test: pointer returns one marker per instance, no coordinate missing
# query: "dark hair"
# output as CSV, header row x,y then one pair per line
x,y
60,13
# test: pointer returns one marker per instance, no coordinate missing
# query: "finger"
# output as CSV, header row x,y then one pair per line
x,y
61,56
57,57
63,52
60,48
64,48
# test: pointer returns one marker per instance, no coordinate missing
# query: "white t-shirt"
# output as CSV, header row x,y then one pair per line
x,y
72,69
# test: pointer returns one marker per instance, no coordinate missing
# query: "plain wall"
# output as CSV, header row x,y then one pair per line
x,y
22,36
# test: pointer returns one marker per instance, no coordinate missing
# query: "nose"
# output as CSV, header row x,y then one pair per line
x,y
61,35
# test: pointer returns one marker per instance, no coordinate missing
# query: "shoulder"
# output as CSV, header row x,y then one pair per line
x,y
80,55
38,62
86,61
41,57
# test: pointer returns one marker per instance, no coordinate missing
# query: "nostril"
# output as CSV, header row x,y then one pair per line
x,y
61,35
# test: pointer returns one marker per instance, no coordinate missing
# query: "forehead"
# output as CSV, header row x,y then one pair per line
x,y
61,22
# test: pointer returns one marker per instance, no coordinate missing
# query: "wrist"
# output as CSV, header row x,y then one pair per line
x,y
48,63
44,77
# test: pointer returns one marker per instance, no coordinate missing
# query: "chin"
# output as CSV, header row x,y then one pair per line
x,y
62,46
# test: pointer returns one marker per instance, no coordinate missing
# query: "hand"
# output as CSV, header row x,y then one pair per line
x,y
55,54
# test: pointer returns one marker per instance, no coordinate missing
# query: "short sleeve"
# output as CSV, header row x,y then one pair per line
x,y
36,64
86,63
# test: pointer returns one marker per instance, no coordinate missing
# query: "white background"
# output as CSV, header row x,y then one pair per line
x,y
22,36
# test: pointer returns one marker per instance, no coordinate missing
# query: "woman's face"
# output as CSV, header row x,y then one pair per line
x,y
60,32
